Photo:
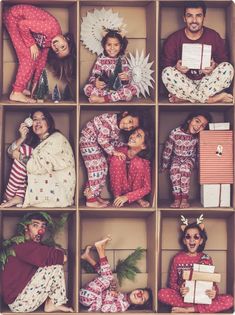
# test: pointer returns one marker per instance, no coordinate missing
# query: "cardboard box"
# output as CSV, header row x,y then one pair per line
x,y
219,126
216,195
201,276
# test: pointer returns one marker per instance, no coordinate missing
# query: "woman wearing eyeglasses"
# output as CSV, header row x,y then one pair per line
x,y
193,240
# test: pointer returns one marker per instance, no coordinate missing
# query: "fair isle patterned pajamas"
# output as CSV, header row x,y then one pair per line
x,y
194,91
172,296
18,176
47,282
107,65
180,149
97,294
99,136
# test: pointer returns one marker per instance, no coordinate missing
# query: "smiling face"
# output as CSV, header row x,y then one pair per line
x,y
194,19
60,46
35,230
197,124
40,126
192,240
129,123
139,297
112,47
137,139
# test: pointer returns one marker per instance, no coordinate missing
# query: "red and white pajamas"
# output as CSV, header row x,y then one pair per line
x,y
97,294
18,176
99,136
131,178
172,296
28,25
180,150
107,65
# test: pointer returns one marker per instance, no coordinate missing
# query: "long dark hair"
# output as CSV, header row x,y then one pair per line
x,y
64,68
147,152
202,233
115,34
148,305
192,115
33,139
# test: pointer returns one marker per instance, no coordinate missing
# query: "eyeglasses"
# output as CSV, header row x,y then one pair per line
x,y
196,237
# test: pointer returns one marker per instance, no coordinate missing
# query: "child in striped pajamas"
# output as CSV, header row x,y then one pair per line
x,y
106,66
181,152
101,293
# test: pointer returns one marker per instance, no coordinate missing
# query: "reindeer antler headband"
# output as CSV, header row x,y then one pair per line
x,y
121,30
185,222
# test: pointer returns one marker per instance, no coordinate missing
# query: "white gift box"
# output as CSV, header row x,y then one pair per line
x,y
204,268
219,126
215,195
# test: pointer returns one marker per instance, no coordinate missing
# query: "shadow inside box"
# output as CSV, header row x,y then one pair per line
x,y
163,308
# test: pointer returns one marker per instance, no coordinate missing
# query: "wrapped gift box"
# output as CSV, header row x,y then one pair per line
x,y
216,157
216,195
219,126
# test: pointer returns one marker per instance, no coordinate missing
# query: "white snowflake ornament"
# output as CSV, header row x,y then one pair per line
x,y
93,26
141,72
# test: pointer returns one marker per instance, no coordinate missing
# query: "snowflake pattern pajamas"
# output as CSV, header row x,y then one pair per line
x,y
172,296
107,65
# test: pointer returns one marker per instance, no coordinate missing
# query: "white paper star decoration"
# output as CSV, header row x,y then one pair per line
x,y
93,25
141,72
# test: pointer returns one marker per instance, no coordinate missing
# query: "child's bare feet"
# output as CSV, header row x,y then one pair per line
x,y
26,92
86,254
49,307
101,244
176,203
96,99
221,97
16,200
174,99
182,310
20,97
143,203
95,204
101,200
184,203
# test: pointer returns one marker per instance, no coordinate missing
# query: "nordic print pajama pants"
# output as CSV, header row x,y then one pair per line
x,y
180,173
172,297
198,90
125,93
47,282
96,165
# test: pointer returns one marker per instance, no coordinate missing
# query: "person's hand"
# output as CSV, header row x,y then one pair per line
x,y
120,155
15,155
184,290
114,293
23,130
180,68
119,201
211,293
123,76
99,84
34,51
33,89
65,259
208,70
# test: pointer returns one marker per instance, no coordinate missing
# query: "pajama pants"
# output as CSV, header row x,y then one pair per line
x,y
93,290
172,297
180,173
198,90
125,93
26,65
96,165
46,282
18,176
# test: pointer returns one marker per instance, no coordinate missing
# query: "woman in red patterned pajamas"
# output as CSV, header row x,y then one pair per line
x,y
130,179
33,32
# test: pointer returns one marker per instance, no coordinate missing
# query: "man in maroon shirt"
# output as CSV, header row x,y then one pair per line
x,y
35,274
196,85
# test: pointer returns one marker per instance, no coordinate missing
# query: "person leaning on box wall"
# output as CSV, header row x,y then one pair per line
x,y
189,85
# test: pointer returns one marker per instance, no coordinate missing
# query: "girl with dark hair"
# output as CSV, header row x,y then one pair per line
x,y
34,32
44,162
180,152
130,179
110,77
101,293
193,240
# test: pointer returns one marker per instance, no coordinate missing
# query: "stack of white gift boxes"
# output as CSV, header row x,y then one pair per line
x,y
216,165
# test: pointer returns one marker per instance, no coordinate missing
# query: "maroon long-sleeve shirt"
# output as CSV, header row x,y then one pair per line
x,y
20,269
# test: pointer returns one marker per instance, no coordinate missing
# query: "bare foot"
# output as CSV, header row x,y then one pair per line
x,y
101,244
20,97
221,97
176,203
26,92
174,99
96,99
49,307
86,254
143,203
184,203
182,310
101,200
12,202
95,204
